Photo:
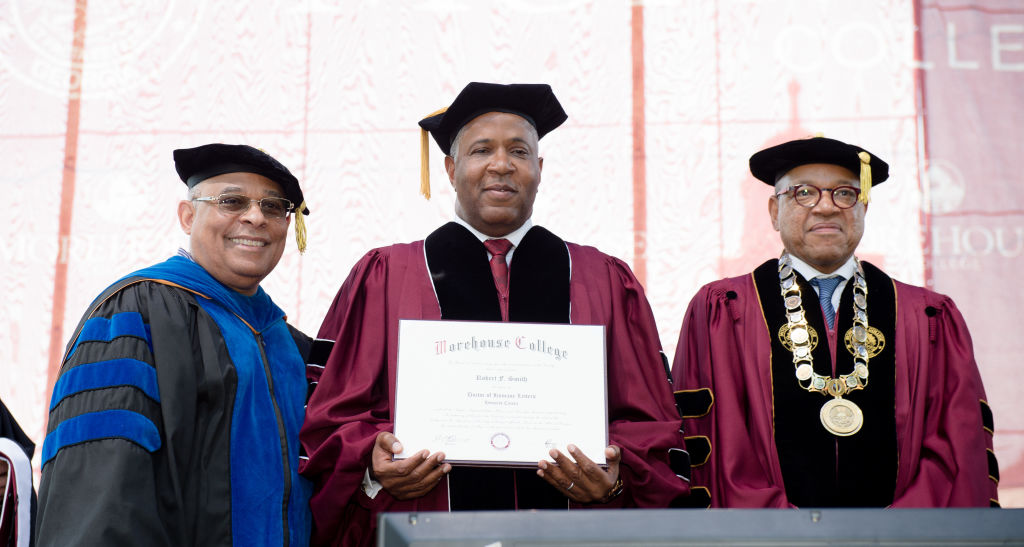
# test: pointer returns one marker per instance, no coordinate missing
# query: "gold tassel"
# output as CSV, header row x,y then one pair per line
x,y
424,164
425,156
865,176
300,228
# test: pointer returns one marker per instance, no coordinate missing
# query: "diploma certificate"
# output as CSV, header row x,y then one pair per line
x,y
502,394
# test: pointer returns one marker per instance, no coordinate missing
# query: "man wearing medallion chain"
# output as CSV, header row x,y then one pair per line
x,y
817,380
491,264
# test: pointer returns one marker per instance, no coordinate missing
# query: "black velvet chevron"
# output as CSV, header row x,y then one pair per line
x,y
462,277
679,461
699,448
319,351
993,465
987,421
818,468
699,498
538,277
694,403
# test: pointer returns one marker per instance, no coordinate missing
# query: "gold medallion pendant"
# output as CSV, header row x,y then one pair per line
x,y
841,417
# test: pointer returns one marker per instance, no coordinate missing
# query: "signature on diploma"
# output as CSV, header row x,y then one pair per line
x,y
445,438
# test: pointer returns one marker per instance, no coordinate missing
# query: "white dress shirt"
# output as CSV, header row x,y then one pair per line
x,y
515,236
845,271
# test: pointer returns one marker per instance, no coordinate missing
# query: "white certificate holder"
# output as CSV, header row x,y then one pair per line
x,y
500,394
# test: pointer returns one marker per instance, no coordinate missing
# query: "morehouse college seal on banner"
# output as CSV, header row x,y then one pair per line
x,y
947,186
126,43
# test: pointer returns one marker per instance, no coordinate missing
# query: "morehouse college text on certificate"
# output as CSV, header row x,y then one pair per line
x,y
500,393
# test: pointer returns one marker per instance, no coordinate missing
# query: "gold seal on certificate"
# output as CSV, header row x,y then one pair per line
x,y
501,394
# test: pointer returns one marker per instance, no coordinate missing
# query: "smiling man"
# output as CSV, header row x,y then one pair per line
x,y
817,380
491,264
175,417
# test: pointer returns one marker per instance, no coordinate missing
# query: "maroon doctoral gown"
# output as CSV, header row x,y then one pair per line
x,y
447,276
754,434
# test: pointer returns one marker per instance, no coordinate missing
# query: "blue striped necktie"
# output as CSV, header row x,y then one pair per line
x,y
827,286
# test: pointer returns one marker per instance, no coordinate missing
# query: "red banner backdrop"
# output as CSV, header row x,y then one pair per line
x,y
666,99
972,106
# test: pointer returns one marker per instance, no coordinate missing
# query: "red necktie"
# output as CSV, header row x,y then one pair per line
x,y
499,269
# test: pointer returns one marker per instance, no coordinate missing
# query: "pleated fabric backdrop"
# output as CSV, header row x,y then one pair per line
x,y
666,99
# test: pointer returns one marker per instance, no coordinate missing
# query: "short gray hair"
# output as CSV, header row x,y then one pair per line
x,y
781,183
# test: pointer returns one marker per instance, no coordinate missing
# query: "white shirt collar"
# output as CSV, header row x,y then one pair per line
x,y
515,236
809,272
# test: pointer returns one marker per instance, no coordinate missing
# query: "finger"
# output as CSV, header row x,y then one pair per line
x,y
563,466
581,459
558,474
387,441
558,480
613,455
564,462
381,455
424,463
419,480
393,474
409,465
385,466
432,470
588,470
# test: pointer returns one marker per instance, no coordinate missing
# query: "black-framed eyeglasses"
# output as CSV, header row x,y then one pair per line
x,y
809,195
236,204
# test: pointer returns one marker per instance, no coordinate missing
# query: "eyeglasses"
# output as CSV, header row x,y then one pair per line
x,y
236,204
809,195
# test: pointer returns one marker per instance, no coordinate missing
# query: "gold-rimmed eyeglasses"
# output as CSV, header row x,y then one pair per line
x,y
236,204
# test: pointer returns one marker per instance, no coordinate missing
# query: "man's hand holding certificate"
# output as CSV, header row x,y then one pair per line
x,y
499,394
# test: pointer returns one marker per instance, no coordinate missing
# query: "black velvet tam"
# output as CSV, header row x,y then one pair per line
x,y
771,164
194,165
535,103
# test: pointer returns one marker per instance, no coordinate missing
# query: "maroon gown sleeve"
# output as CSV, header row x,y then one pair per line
x,y
642,417
353,400
945,445
346,411
723,347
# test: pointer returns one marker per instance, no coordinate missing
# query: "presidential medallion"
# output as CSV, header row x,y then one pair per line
x,y
841,417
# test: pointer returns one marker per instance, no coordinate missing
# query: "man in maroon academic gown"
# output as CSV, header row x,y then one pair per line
x,y
875,404
490,137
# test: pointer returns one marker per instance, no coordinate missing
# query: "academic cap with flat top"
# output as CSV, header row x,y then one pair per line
x,y
771,164
194,165
535,103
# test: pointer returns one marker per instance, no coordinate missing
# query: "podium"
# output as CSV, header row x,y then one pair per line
x,y
716,527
